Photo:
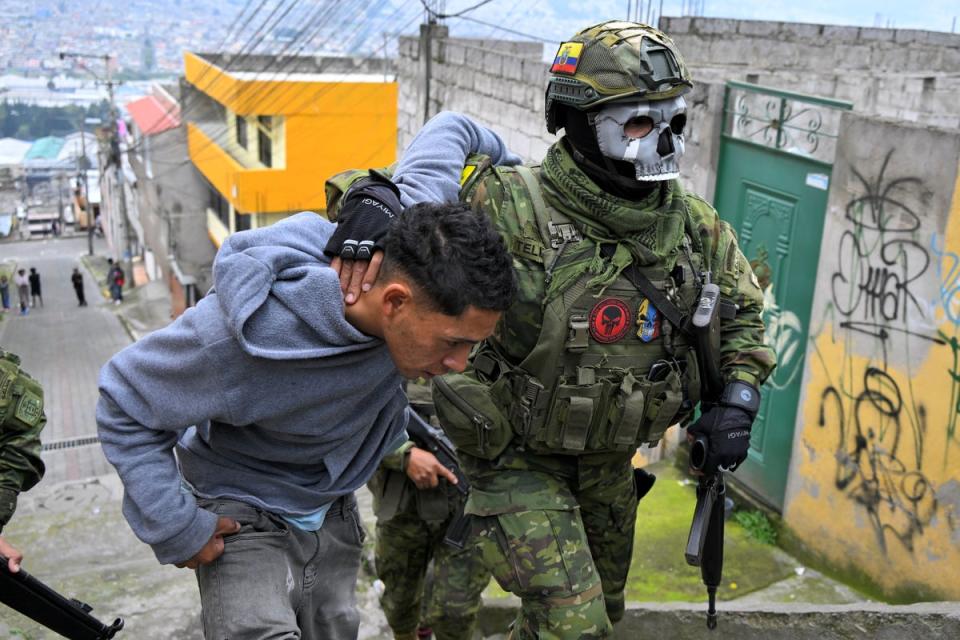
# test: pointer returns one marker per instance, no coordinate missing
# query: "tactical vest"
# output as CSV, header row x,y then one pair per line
x,y
21,397
607,373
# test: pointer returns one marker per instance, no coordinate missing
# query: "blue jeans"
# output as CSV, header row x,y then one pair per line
x,y
277,581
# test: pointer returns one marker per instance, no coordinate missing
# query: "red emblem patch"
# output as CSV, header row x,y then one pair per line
x,y
610,320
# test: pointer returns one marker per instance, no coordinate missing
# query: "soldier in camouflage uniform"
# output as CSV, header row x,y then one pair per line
x,y
21,420
414,507
584,367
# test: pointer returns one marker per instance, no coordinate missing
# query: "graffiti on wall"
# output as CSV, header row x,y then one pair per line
x,y
881,425
783,330
948,271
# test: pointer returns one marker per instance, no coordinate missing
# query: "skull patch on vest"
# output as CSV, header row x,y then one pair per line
x,y
649,321
609,320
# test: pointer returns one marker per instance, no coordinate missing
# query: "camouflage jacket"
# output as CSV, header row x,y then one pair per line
x,y
21,420
502,194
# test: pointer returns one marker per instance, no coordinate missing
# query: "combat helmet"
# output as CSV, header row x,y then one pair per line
x,y
611,61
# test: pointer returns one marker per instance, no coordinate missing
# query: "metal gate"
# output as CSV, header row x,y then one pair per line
x,y
773,175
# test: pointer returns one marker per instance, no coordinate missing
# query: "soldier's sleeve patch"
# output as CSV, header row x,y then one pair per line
x,y
29,409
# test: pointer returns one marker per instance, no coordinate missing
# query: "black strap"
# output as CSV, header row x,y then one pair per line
x,y
676,317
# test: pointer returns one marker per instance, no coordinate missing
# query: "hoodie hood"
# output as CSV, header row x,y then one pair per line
x,y
280,298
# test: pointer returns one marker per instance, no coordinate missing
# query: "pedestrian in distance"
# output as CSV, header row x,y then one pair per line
x,y
23,291
595,358
5,293
21,420
115,280
238,450
35,291
76,279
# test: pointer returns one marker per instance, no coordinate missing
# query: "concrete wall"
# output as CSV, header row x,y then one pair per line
x,y
897,73
501,85
873,487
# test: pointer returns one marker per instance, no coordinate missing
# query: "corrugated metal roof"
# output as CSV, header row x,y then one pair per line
x,y
45,149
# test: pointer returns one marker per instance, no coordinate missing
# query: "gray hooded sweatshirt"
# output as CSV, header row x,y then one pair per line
x,y
264,390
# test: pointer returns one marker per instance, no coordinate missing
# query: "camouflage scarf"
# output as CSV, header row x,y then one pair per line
x,y
644,231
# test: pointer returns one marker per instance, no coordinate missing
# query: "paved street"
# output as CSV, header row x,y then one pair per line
x,y
70,527
64,346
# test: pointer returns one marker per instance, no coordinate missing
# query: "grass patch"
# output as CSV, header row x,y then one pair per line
x,y
659,572
757,526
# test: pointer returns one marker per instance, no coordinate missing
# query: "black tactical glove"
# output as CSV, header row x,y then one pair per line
x,y
364,218
722,432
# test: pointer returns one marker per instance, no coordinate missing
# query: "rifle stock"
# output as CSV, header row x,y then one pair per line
x,y
34,599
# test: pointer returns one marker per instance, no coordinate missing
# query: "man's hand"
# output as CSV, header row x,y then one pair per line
x,y
363,220
214,547
425,470
14,557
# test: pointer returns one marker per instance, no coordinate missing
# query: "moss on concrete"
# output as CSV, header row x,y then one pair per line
x,y
855,577
660,573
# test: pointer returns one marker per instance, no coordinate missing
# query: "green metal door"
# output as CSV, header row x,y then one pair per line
x,y
772,181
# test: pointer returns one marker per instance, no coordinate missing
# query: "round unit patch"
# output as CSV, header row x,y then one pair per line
x,y
610,320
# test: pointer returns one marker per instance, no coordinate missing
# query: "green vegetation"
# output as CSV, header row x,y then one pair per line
x,y
757,526
659,572
29,122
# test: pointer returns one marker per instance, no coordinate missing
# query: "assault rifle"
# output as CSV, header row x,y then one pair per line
x,y
705,542
431,439
70,618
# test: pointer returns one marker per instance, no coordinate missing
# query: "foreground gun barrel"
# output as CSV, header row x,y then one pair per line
x,y
70,618
705,541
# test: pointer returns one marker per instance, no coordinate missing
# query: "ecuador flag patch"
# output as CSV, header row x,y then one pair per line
x,y
568,57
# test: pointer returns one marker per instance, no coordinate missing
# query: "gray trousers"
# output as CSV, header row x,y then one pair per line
x,y
279,582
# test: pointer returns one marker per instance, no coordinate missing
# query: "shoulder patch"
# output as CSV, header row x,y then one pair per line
x,y
29,409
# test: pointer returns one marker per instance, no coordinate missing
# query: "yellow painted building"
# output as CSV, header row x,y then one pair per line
x,y
266,139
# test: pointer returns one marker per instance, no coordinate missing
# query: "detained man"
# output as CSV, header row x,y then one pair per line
x,y
241,430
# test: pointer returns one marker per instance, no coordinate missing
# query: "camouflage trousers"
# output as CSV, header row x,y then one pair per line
x,y
557,531
448,599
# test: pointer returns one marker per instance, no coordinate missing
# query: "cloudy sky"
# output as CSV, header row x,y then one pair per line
x,y
931,15
557,19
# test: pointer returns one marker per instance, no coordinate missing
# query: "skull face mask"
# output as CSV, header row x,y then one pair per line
x,y
647,134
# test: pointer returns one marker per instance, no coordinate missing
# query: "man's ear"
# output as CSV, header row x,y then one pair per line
x,y
397,298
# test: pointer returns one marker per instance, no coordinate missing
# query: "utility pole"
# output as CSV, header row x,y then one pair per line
x,y
114,134
60,178
426,37
428,31
82,163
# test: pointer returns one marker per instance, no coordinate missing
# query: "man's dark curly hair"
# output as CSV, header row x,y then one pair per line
x,y
453,255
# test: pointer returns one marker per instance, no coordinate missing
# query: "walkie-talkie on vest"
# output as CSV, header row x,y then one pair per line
x,y
706,329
